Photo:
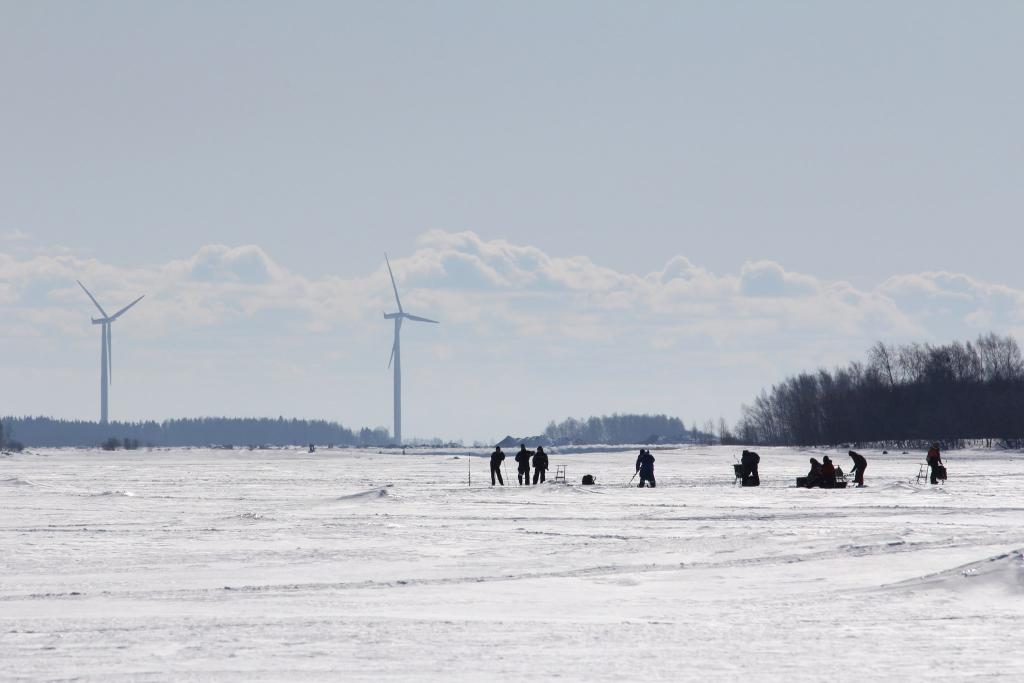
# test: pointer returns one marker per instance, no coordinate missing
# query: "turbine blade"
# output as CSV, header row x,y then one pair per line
x,y
393,285
92,297
121,312
392,356
421,320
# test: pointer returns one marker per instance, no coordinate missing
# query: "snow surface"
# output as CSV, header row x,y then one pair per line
x,y
352,565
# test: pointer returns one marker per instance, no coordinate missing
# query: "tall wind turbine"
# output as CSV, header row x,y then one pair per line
x,y
396,351
106,359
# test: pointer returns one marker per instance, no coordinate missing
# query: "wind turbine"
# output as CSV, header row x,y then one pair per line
x,y
396,350
106,359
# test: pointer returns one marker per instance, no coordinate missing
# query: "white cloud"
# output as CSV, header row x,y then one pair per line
x,y
498,286
769,279
556,323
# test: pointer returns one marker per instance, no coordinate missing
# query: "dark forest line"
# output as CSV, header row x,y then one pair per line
x,y
243,432
900,395
626,429
203,431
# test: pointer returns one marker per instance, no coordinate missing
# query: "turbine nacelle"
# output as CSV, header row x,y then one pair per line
x,y
409,316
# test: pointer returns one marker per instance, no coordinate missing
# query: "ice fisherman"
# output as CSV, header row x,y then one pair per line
x,y
860,464
749,460
814,476
934,460
540,464
645,467
497,457
523,458
828,473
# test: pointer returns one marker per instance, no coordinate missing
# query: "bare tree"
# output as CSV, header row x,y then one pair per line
x,y
915,392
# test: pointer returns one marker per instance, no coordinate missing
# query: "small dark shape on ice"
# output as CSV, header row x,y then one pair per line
x,y
588,480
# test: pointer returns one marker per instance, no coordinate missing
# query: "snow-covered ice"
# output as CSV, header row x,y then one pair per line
x,y
354,565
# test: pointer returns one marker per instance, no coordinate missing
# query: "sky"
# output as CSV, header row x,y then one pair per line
x,y
611,207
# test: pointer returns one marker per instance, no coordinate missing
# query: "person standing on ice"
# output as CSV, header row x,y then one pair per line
x,y
523,458
860,464
497,457
645,467
540,464
934,461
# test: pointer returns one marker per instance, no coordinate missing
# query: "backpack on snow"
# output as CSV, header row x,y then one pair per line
x,y
588,480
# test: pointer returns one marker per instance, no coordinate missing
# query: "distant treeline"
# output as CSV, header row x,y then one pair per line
x,y
7,443
203,431
619,429
906,394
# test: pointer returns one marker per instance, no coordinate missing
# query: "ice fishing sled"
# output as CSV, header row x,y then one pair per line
x,y
924,476
839,482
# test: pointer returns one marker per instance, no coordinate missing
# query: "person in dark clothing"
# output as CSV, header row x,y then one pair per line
x,y
934,461
523,458
497,457
540,464
859,465
645,467
828,473
814,476
749,460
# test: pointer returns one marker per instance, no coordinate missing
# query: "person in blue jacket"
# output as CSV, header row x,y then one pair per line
x,y
645,466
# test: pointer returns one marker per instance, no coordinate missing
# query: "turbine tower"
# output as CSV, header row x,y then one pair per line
x,y
396,350
106,359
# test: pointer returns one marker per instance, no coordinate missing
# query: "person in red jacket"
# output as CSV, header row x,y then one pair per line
x,y
828,473
934,461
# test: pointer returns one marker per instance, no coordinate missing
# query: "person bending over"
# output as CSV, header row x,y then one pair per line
x,y
645,467
749,460
859,465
